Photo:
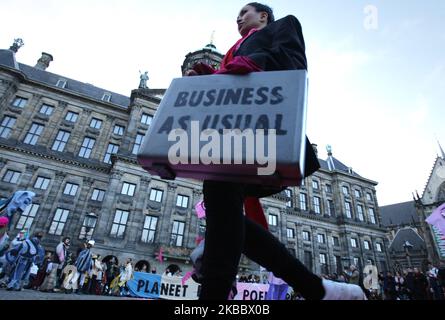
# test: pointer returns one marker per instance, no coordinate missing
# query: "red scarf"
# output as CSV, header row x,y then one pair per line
x,y
229,55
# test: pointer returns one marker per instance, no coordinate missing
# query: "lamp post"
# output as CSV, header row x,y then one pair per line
x,y
407,247
90,223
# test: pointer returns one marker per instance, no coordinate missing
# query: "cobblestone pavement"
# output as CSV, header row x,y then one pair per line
x,y
38,295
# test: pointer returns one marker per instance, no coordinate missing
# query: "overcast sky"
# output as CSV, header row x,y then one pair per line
x,y
376,68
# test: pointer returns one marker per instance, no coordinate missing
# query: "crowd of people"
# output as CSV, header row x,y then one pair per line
x,y
25,264
411,284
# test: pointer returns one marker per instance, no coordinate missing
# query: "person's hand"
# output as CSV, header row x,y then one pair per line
x,y
190,73
200,69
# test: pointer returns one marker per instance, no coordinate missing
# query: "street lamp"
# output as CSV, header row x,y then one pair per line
x,y
90,223
408,246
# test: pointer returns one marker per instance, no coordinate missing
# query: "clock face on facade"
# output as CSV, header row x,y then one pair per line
x,y
441,172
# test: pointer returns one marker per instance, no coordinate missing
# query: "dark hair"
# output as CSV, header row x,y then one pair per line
x,y
263,8
66,238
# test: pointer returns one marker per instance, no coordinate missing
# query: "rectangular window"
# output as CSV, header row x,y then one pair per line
x,y
146,119
112,149
331,208
156,195
119,223
289,198
118,130
87,147
98,195
42,183
96,123
61,83
335,241
368,196
338,264
177,235
149,230
27,217
323,259
308,260
345,190
6,126
71,189
354,243
290,233
46,109
137,143
328,188
317,207
323,264
273,220
182,201
358,193
356,261
303,202
86,232
106,97
321,238
19,102
366,245
71,116
33,134
360,212
348,209
128,189
306,236
315,185
61,140
378,247
58,222
372,215
11,176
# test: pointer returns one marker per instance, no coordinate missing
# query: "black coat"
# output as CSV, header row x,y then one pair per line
x,y
280,46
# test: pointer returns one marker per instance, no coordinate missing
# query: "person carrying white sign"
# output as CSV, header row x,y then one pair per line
x,y
266,45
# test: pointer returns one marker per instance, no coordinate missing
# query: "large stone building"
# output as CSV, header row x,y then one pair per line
x,y
74,145
413,242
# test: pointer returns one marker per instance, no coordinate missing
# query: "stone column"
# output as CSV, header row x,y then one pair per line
x,y
132,128
3,163
103,139
10,90
137,217
169,202
53,125
26,178
79,212
24,121
78,134
194,222
47,209
108,209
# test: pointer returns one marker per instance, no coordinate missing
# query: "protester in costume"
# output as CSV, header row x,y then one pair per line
x,y
126,276
18,202
49,283
61,257
19,238
83,264
266,45
29,252
4,242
